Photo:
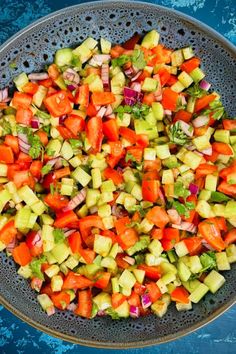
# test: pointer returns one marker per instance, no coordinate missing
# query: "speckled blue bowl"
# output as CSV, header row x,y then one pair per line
x,y
30,50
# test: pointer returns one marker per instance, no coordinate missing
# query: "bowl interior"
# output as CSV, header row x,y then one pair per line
x,y
116,21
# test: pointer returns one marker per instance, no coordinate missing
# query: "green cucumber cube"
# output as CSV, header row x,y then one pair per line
x,y
102,245
183,271
102,300
149,85
60,251
222,261
198,293
151,39
211,182
231,253
155,247
123,309
139,275
158,110
159,308
214,281
197,75
195,264
81,176
127,279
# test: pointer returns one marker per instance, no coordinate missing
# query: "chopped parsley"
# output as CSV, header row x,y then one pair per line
x,y
75,143
59,235
46,169
208,260
176,134
183,209
35,266
137,110
114,315
196,91
137,59
180,190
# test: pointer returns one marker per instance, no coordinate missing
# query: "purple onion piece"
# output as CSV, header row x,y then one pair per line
x,y
71,307
200,121
134,311
129,101
128,92
205,85
136,86
69,232
72,87
4,95
136,76
77,200
193,188
146,301
35,123
38,76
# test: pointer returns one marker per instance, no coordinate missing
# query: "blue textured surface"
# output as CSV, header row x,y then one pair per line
x,y
18,337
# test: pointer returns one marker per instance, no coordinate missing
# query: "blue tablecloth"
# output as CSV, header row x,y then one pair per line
x,y
18,337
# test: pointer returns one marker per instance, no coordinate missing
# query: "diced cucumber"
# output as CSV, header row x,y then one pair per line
x,y
201,142
168,278
52,270
158,110
118,83
152,260
143,127
222,136
211,182
3,170
183,271
191,285
198,293
22,218
155,247
149,154
114,250
127,279
195,264
139,275
142,244
136,192
63,56
115,285
96,177
102,300
151,39
81,176
177,87
191,104
177,58
105,46
25,271
108,222
39,207
192,159
167,177
60,251
47,238
188,53
197,74
204,209
183,307
109,262
172,256
71,262
102,245
159,308
181,249
214,281
39,96
92,197
45,302
231,253
162,286
219,210
230,209
222,261
149,85
163,151
56,283
204,195
20,81
145,226
123,309
26,194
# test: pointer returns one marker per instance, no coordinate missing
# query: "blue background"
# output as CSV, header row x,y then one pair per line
x,y
219,336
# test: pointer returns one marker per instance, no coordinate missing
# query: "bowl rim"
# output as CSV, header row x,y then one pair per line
x,y
170,337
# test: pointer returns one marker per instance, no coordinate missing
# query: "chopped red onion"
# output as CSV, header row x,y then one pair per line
x,y
207,151
200,121
38,76
58,163
62,118
36,284
129,101
35,123
4,95
130,72
136,86
146,301
24,146
23,137
193,188
69,232
168,112
109,110
77,200
128,92
72,87
118,211
174,216
71,307
134,311
12,245
101,111
52,162
129,260
186,128
131,96
205,85
72,76
105,77
101,313
50,310
99,59
136,76
187,226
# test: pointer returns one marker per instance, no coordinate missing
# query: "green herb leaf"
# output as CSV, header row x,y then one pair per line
x,y
208,260
75,143
139,259
176,134
138,110
138,59
42,114
120,61
46,169
6,127
50,152
180,190
59,235
114,315
218,197
35,143
196,91
180,208
35,266
138,208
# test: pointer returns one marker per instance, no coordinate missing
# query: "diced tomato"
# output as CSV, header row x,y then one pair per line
x,y
60,300
66,133
56,201
35,243
150,190
230,237
116,51
21,254
117,299
228,189
134,298
169,99
86,224
142,140
180,294
222,148
24,116
76,281
229,124
153,291
111,130
130,43
53,71
8,232
65,219
158,216
6,154
164,76
190,65
35,168
157,234
102,280
102,98
94,133
13,142
170,238
31,88
91,111
127,239
121,224
82,96
211,233
115,176
148,98
151,272
128,134
22,178
139,289
205,169
182,115
193,244
21,100
204,101
150,165
75,124
62,172
121,263
110,234
85,304
136,152
58,104
75,242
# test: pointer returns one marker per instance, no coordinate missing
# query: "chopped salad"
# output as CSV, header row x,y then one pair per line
x,y
118,180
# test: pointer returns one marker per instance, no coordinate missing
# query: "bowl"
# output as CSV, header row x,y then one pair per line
x,y
34,47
